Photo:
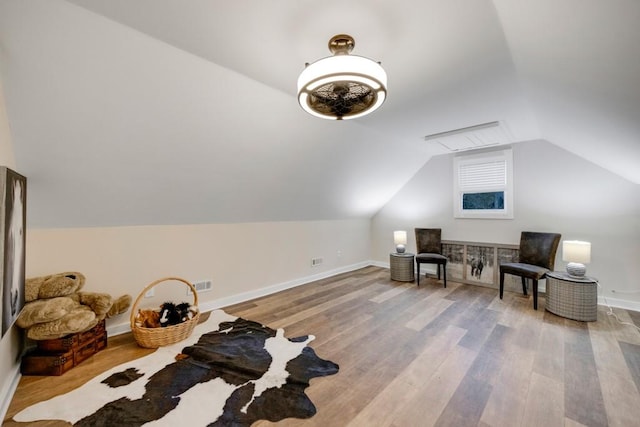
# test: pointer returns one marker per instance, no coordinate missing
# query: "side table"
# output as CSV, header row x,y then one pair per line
x,y
402,267
572,297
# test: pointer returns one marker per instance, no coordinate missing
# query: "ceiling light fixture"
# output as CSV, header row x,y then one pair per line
x,y
342,86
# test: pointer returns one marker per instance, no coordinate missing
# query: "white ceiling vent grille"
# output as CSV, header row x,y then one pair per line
x,y
472,137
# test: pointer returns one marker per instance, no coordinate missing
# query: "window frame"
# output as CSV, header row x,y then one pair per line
x,y
459,161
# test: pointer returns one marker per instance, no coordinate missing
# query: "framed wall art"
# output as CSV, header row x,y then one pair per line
x,y
478,263
13,216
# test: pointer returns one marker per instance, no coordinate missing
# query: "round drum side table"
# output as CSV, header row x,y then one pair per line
x,y
402,267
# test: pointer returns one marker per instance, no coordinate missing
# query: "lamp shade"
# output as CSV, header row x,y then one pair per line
x,y
576,251
400,237
578,254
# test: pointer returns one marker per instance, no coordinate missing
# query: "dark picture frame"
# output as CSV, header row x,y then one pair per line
x,y
13,221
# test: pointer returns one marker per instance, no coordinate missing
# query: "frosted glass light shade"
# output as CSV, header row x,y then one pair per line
x,y
400,239
578,254
342,67
343,86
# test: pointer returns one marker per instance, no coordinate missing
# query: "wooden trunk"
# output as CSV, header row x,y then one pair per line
x,y
74,341
39,362
57,356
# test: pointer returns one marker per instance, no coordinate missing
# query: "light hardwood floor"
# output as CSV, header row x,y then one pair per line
x,y
431,356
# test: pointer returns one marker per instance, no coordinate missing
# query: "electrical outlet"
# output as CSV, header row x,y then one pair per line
x,y
339,254
316,261
150,293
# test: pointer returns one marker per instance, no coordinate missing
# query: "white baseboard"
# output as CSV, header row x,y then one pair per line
x,y
246,296
9,388
619,303
379,264
423,270
122,328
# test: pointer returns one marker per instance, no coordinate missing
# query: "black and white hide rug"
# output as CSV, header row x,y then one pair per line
x,y
237,372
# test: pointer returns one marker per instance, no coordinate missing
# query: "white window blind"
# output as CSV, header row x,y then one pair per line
x,y
491,175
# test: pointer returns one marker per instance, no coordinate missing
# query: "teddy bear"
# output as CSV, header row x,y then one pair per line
x,y
55,306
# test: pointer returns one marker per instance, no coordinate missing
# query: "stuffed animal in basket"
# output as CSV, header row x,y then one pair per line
x,y
169,314
186,311
148,318
55,306
172,314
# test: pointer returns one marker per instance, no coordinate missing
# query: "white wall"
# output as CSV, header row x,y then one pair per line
x,y
242,260
11,343
554,191
6,146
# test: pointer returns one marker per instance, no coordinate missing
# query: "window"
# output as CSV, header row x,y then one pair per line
x,y
483,185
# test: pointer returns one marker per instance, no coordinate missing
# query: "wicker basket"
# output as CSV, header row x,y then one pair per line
x,y
158,337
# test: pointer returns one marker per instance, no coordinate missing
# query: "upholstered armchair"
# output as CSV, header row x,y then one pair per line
x,y
537,258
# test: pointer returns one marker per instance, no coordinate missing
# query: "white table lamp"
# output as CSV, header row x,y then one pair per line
x,y
400,239
578,254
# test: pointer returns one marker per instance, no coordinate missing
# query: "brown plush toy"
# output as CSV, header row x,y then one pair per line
x,y
148,318
55,307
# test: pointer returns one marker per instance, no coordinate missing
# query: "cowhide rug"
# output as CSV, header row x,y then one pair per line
x,y
236,372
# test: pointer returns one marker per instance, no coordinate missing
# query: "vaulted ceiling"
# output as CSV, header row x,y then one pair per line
x,y
126,112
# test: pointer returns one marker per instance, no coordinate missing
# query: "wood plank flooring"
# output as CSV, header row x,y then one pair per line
x,y
431,356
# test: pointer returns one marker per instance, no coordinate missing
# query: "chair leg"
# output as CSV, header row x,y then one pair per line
x,y
438,267
444,268
535,294
524,285
501,284
418,275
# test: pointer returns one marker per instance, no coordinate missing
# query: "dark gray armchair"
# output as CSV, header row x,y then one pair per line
x,y
537,258
429,250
